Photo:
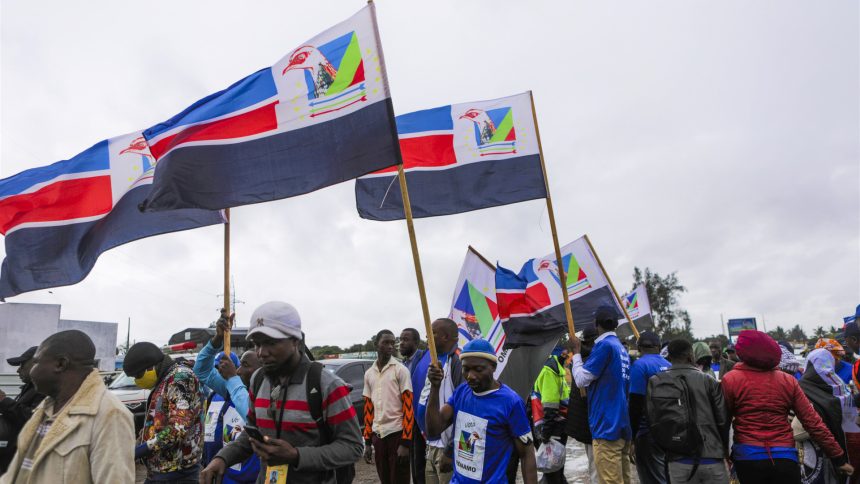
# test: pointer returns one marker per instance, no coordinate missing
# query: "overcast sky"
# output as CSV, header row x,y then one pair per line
x,y
715,139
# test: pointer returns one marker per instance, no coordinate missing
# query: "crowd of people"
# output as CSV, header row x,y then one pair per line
x,y
672,411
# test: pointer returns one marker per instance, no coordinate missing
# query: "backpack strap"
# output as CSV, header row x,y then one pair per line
x,y
314,395
691,404
257,381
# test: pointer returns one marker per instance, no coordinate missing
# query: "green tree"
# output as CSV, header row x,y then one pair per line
x,y
797,334
819,332
721,338
670,321
321,351
778,334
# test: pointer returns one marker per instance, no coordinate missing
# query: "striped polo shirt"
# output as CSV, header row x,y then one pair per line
x,y
298,427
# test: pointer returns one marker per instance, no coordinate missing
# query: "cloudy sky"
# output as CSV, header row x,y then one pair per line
x,y
715,139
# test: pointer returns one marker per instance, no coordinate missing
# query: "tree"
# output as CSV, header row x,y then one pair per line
x,y
670,321
819,332
721,338
778,334
797,333
320,351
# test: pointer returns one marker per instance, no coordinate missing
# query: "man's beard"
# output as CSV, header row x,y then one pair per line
x,y
280,370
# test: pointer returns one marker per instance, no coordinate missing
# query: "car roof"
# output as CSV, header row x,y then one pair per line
x,y
342,361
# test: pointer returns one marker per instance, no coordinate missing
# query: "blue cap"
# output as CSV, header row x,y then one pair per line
x,y
233,357
479,348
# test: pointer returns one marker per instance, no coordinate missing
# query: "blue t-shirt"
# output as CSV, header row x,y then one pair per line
x,y
607,395
844,371
419,378
644,368
485,427
756,452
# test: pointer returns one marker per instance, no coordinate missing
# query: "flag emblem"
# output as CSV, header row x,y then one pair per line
x,y
333,73
467,441
577,279
632,303
494,130
479,313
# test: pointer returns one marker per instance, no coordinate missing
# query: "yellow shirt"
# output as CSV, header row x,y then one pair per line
x,y
384,388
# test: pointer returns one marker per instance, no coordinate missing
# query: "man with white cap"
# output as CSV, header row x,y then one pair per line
x,y
286,393
489,420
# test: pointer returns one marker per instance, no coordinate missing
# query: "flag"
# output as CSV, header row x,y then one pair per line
x,y
319,116
639,308
58,219
474,308
531,302
459,158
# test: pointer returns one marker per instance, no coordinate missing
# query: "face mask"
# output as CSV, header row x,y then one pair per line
x,y
148,380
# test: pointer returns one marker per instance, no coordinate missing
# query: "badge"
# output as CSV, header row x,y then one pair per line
x,y
276,474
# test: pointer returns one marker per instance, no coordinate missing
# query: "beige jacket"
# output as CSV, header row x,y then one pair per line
x,y
91,441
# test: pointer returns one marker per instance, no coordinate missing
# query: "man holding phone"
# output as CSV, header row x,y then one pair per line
x,y
280,427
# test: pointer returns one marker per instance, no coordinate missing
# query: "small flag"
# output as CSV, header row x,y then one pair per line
x,y
639,308
58,219
319,116
459,158
531,302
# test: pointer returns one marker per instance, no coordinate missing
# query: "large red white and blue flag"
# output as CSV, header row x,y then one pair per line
x,y
58,219
531,302
319,116
459,158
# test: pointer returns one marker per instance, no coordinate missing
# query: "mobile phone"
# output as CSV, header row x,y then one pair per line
x,y
254,433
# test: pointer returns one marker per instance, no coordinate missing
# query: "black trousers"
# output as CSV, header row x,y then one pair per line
x,y
650,461
417,458
779,471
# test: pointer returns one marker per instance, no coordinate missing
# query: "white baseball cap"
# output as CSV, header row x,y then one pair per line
x,y
276,319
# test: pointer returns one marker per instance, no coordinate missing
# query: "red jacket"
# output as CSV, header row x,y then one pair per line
x,y
759,400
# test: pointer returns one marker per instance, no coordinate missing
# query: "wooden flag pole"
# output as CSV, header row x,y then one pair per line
x,y
611,285
559,261
407,208
227,278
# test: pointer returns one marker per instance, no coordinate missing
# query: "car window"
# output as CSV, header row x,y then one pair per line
x,y
354,375
123,381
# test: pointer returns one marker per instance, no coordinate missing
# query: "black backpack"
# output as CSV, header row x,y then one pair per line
x,y
314,395
671,410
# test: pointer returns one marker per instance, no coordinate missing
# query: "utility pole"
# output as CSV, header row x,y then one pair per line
x,y
233,299
128,335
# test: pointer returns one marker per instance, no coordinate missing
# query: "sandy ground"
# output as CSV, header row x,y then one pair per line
x,y
575,468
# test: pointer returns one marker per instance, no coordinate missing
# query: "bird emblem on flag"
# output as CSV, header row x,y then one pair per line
x,y
333,73
494,130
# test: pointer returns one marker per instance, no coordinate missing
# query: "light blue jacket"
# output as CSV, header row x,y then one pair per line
x,y
232,389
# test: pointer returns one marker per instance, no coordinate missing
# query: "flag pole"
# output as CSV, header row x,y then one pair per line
x,y
227,278
407,209
416,259
611,285
561,272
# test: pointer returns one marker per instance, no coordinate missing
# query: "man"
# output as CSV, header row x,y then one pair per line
x,y
649,459
388,417
229,402
81,432
294,443
606,376
489,420
552,390
440,448
851,334
15,412
720,363
711,418
410,339
577,413
171,442
731,354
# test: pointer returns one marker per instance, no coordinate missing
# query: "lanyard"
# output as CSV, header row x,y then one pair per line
x,y
281,414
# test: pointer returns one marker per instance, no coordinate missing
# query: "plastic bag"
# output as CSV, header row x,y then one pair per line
x,y
550,456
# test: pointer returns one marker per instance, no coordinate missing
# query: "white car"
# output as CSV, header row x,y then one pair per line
x,y
132,396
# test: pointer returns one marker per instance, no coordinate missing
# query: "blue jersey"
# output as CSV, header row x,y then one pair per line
x,y
222,425
608,416
844,371
419,378
643,369
485,428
